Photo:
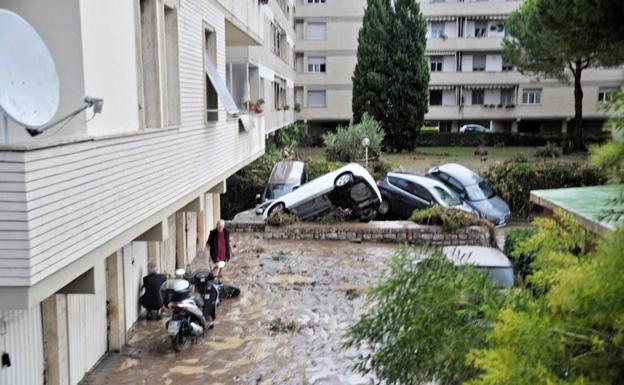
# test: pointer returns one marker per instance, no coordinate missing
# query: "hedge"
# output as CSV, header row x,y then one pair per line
x,y
514,181
503,139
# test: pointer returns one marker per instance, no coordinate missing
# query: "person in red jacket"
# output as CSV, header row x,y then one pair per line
x,y
220,248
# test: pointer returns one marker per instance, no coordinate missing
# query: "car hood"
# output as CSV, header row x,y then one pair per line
x,y
494,207
465,207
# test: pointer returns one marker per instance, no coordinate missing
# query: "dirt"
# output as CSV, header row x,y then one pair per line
x,y
298,297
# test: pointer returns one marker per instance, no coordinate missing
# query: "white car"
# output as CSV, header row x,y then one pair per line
x,y
487,259
351,188
473,128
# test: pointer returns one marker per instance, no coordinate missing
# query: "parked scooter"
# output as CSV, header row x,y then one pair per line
x,y
193,311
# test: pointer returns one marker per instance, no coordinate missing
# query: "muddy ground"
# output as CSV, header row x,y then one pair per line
x,y
297,299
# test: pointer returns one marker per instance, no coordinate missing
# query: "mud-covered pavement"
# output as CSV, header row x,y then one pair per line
x,y
297,299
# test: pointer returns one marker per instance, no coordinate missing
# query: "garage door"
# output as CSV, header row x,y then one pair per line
x,y
21,336
135,268
87,327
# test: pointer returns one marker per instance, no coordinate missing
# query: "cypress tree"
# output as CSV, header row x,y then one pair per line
x,y
370,77
408,81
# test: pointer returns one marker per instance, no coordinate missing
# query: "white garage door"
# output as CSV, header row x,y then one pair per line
x,y
21,336
135,268
87,327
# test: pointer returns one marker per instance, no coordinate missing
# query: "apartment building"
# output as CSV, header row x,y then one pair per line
x,y
470,81
85,206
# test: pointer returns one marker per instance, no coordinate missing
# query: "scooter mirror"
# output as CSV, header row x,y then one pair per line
x,y
179,273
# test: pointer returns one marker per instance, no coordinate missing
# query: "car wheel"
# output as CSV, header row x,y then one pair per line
x,y
384,207
368,215
344,180
278,207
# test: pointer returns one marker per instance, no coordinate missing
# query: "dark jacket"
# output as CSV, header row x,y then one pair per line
x,y
213,244
151,299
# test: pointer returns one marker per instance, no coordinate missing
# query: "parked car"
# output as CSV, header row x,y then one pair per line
x,y
285,177
350,188
402,193
487,259
473,128
473,190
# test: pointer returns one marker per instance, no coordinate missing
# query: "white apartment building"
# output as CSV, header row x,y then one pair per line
x,y
470,82
85,206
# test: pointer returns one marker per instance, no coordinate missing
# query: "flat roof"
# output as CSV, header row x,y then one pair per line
x,y
587,204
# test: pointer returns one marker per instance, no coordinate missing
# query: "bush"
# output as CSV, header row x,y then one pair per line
x,y
550,150
317,168
514,181
281,218
345,145
521,261
449,219
495,139
292,136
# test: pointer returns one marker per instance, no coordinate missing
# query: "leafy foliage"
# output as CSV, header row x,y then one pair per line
x,y
521,260
422,320
556,38
449,219
573,333
473,139
514,181
345,145
292,136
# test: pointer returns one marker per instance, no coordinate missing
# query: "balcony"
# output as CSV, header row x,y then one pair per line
x,y
482,77
244,22
352,8
480,44
469,8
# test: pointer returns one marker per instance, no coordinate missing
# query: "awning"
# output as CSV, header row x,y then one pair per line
x,y
441,18
488,86
439,53
220,87
441,87
487,17
246,122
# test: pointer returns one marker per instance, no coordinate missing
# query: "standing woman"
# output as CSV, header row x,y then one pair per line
x,y
219,245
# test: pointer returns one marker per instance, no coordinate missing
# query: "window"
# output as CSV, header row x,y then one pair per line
x,y
419,191
446,197
507,96
478,96
478,63
316,64
532,96
316,98
316,31
435,97
436,63
480,29
171,60
215,86
437,30
606,93
507,66
279,93
150,65
316,1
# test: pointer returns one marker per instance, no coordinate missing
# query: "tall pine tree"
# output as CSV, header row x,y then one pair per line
x,y
408,82
370,77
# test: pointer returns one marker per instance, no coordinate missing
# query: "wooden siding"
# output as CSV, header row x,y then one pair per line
x,y
59,203
21,336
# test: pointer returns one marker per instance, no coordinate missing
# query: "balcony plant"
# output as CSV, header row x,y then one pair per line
x,y
259,106
297,107
286,107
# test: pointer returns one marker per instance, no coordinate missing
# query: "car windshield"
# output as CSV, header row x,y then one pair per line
x,y
479,191
445,197
502,277
275,191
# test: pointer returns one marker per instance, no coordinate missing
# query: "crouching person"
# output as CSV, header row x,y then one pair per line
x,y
151,299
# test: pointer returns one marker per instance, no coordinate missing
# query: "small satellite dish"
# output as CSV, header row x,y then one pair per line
x,y
29,84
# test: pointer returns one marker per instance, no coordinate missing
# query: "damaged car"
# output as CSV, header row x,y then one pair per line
x,y
350,190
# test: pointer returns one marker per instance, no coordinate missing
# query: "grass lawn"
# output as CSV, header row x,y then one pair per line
x,y
424,158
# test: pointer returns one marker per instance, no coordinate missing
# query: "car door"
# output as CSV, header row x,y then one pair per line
x,y
422,197
400,201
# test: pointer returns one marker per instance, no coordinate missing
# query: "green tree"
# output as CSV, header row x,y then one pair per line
x,y
570,333
422,320
370,77
408,85
561,39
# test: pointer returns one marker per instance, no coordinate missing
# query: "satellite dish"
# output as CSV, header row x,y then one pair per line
x,y
29,84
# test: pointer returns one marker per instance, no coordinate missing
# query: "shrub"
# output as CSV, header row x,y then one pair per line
x,y
292,136
521,260
514,181
496,139
550,150
381,168
317,168
449,219
281,218
345,145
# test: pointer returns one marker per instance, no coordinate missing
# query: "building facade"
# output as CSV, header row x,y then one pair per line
x,y
85,206
470,81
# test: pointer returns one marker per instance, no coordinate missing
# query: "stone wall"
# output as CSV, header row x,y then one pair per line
x,y
387,231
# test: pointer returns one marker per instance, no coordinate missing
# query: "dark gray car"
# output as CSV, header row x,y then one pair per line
x,y
473,190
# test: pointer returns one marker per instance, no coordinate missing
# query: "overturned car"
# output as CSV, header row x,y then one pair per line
x,y
350,191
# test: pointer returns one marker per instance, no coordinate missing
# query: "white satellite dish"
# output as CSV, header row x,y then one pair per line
x,y
29,84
